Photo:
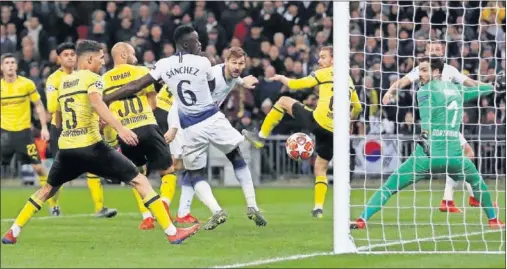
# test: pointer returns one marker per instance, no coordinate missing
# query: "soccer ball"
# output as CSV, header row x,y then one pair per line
x,y
299,146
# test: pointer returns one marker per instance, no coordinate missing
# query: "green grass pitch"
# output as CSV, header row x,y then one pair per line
x,y
77,240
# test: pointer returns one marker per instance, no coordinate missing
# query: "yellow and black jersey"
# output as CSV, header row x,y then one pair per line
x,y
165,99
52,84
15,113
80,123
135,111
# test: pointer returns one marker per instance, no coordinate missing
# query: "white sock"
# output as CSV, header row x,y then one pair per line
x,y
147,214
171,230
187,195
449,188
245,179
15,230
469,188
204,193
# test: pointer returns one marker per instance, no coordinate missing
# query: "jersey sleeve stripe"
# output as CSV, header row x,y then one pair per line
x,y
17,96
72,93
315,77
113,88
325,82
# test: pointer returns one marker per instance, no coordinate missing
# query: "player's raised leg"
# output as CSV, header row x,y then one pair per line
x,y
275,115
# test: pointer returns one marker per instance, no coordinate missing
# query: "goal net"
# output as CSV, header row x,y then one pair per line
x,y
385,39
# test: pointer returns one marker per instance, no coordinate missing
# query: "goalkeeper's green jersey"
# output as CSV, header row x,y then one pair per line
x,y
441,111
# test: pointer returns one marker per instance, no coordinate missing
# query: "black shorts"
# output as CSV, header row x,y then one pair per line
x,y
151,149
161,117
323,137
20,143
98,159
54,134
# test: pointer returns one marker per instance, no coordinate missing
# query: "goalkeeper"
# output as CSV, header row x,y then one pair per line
x,y
438,149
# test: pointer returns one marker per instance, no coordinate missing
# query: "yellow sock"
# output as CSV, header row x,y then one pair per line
x,y
154,203
271,121
168,187
53,201
320,191
96,191
31,207
140,203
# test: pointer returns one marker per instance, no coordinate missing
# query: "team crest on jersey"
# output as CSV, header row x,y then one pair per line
x,y
51,88
98,85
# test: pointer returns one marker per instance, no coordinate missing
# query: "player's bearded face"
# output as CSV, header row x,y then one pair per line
x,y
325,59
424,72
68,58
235,66
131,56
9,67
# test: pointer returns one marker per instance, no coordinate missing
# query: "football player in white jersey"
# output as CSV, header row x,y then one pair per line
x,y
190,78
449,73
227,76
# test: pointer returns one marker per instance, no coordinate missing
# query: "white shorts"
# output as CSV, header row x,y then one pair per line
x,y
176,145
462,140
216,130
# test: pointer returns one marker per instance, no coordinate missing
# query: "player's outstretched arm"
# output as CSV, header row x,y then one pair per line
x,y
130,89
100,107
297,84
471,93
399,84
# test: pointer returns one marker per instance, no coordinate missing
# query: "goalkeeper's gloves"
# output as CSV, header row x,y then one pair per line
x,y
424,142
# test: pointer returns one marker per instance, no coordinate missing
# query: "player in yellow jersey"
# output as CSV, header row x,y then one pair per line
x,y
136,114
164,104
67,57
16,94
83,150
318,121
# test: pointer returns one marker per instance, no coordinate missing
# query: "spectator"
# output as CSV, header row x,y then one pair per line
x,y
99,34
252,44
231,17
409,127
126,31
246,122
275,61
162,15
6,45
270,20
35,31
27,59
241,30
144,16
168,50
267,88
67,30
156,42
149,59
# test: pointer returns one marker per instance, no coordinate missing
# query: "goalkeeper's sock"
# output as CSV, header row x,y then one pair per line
x,y
449,188
376,202
469,189
274,117
31,207
187,195
168,187
53,201
244,177
96,191
482,194
144,211
320,191
154,203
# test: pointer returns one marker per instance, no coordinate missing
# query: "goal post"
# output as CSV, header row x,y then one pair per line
x,y
378,43
343,242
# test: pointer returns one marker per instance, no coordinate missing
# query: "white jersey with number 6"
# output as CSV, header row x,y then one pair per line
x,y
187,76
202,124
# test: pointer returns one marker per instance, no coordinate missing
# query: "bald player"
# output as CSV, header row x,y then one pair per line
x,y
136,113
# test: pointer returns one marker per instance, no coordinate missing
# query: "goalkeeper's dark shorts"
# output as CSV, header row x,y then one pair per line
x,y
323,138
